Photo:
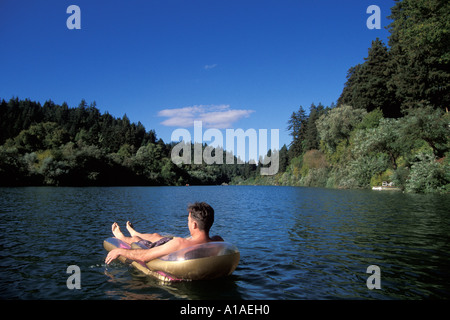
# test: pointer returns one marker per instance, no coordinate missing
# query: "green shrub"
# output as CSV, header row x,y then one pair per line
x,y
400,176
364,168
427,175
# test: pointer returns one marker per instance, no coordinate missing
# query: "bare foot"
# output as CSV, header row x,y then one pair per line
x,y
131,230
116,231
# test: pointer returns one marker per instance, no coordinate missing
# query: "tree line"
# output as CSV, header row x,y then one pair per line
x,y
54,144
391,121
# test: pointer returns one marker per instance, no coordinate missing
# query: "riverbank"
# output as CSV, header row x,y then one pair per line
x,y
419,179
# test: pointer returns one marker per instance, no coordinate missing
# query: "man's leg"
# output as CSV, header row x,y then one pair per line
x,y
119,235
152,237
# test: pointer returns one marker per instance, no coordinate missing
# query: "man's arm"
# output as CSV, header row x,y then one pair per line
x,y
145,255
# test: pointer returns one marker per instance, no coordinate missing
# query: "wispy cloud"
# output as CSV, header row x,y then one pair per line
x,y
212,116
210,66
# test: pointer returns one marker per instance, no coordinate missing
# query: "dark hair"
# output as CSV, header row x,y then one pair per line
x,y
203,214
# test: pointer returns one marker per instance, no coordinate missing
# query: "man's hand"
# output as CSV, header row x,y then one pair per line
x,y
112,255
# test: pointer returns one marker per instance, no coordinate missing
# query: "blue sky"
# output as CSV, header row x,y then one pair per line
x,y
232,64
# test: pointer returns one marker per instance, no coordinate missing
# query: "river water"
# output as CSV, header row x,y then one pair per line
x,y
295,242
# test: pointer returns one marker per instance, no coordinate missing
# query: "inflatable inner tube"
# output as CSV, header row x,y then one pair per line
x,y
199,262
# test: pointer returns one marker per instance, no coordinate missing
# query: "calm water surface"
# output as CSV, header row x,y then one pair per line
x,y
295,243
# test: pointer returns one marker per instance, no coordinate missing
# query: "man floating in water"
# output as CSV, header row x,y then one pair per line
x,y
200,221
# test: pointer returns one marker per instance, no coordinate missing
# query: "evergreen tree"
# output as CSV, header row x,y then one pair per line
x,y
366,86
297,127
420,52
283,158
312,138
353,74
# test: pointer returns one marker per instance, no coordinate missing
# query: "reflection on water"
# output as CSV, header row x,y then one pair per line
x,y
295,243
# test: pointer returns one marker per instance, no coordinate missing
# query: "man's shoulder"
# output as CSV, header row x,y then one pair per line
x,y
180,242
178,239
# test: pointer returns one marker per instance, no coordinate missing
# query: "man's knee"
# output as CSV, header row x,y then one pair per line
x,y
135,239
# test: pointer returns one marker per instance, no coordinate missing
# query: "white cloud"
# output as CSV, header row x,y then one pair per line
x,y
212,116
210,66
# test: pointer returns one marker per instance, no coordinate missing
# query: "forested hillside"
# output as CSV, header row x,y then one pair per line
x,y
391,122
56,145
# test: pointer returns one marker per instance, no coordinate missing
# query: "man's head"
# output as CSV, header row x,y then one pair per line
x,y
203,214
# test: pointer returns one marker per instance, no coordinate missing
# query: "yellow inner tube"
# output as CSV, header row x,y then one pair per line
x,y
199,262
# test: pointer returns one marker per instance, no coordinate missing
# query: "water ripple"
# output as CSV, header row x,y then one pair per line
x,y
295,243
